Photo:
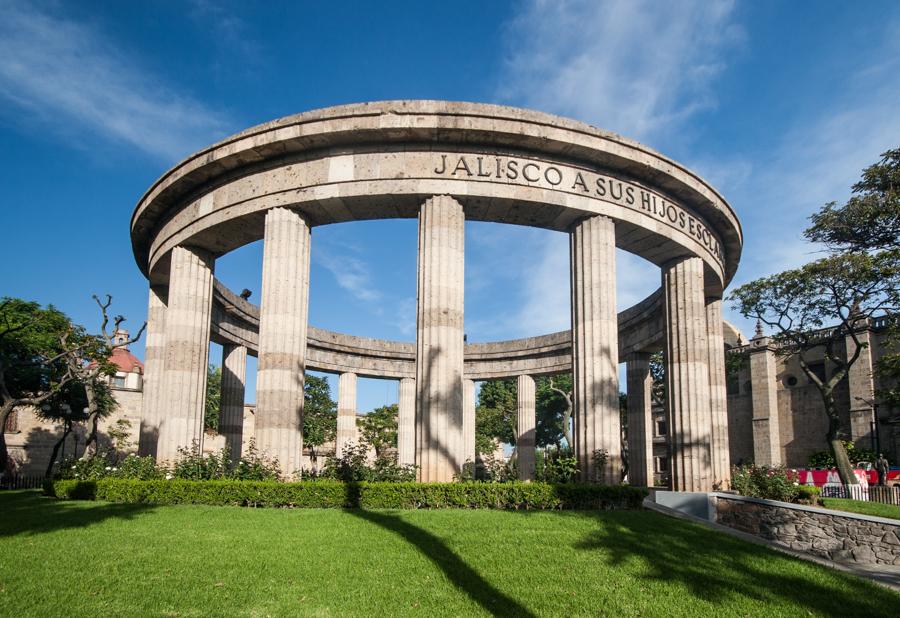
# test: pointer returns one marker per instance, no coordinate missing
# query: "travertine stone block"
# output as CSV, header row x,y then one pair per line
x,y
406,422
469,421
186,352
687,375
439,339
282,338
154,367
231,405
525,425
640,429
346,415
718,397
595,348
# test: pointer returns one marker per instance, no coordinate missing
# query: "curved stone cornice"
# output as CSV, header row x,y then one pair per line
x,y
377,160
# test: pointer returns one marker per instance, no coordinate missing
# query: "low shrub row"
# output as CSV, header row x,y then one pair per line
x,y
336,494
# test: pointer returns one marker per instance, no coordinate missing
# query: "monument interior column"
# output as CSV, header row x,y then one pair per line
x,y
640,429
406,422
595,349
283,318
439,339
687,375
346,416
187,325
231,406
525,424
469,422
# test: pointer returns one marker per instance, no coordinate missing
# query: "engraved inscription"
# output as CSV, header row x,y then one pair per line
x,y
573,180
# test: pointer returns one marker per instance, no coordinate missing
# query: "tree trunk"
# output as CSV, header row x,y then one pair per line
x,y
90,442
841,460
5,411
66,431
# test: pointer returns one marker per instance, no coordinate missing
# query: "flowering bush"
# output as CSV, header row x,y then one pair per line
x,y
353,466
770,483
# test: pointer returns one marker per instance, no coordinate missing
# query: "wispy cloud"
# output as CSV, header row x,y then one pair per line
x,y
640,68
75,80
351,274
637,67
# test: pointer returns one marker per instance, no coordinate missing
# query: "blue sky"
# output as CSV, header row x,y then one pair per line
x,y
778,104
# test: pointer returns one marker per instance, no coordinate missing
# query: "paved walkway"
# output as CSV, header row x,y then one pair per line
x,y
886,575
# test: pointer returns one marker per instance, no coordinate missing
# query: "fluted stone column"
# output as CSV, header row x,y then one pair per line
x,y
406,423
231,405
282,338
718,397
154,366
346,416
595,348
764,395
640,430
525,422
468,438
186,353
687,375
439,339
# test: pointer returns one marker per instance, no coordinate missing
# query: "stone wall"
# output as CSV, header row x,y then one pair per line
x,y
842,537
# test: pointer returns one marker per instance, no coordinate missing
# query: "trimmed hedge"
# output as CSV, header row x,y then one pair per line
x,y
335,494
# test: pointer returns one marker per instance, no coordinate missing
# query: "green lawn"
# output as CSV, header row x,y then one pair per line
x,y
98,559
866,508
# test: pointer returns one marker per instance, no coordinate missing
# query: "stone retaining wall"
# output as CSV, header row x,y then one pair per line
x,y
838,536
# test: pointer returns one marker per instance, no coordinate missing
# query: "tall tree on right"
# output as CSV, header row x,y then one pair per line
x,y
814,309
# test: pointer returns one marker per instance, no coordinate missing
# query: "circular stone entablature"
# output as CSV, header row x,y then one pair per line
x,y
384,159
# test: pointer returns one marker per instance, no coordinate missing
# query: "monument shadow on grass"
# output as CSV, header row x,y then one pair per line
x,y
714,567
26,512
464,577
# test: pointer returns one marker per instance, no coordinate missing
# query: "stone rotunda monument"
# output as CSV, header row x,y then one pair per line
x,y
442,163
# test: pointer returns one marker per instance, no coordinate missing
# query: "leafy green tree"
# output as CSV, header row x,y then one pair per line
x,y
840,291
553,407
319,413
870,220
213,398
495,415
34,343
379,429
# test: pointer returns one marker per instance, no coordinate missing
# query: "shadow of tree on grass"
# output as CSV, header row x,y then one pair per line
x,y
715,568
28,512
464,577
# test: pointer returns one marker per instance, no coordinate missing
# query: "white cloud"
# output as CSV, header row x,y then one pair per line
x,y
640,68
351,274
70,76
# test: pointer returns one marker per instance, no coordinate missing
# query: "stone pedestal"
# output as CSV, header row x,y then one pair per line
x,y
346,415
640,428
406,422
469,422
154,366
231,405
687,375
764,396
439,339
186,352
282,338
718,396
595,348
525,422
